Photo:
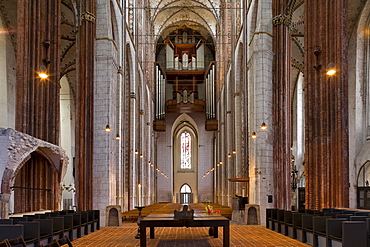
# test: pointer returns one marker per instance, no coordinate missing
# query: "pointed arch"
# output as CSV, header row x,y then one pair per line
x,y
188,174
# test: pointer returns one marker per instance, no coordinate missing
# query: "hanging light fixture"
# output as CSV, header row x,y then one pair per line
x,y
136,152
118,137
229,155
141,156
234,151
107,128
254,135
331,69
263,126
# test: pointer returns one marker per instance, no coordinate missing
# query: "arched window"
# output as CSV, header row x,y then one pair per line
x,y
185,189
185,194
185,150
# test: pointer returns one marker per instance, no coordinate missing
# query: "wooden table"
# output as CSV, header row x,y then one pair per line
x,y
200,220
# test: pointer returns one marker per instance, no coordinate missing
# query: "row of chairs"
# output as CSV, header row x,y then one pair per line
x,y
322,228
19,241
40,229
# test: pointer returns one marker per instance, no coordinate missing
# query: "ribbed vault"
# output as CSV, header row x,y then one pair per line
x,y
201,16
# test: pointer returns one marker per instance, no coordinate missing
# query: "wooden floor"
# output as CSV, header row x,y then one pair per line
x,y
178,237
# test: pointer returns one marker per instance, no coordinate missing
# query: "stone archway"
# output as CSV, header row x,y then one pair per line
x,y
16,149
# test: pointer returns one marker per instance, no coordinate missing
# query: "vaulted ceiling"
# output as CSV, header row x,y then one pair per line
x,y
202,16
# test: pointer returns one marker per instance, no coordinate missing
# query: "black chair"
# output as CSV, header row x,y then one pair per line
x,y
358,218
46,229
91,221
319,228
76,225
52,244
68,225
64,241
297,224
307,226
58,226
361,213
18,241
31,232
11,231
280,220
6,222
288,222
32,217
17,219
97,218
85,222
274,218
334,230
354,234
268,217
5,243
345,216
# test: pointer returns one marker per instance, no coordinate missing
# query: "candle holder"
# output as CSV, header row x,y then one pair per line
x,y
139,208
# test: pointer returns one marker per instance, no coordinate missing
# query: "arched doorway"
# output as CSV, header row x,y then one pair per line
x,y
36,186
186,196
363,186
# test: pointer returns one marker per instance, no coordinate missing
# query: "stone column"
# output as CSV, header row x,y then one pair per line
x,y
281,105
326,102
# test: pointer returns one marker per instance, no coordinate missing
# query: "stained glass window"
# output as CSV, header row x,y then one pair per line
x,y
185,150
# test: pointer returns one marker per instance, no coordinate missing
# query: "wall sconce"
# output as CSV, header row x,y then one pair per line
x,y
229,155
254,135
331,69
263,126
234,151
118,137
107,128
141,156
136,152
42,73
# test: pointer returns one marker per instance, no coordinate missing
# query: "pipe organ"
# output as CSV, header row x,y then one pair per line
x,y
185,77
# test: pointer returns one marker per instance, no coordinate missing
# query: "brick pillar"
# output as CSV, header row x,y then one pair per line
x,y
281,105
326,103
38,43
85,99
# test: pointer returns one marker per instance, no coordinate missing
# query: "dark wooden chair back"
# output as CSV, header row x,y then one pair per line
x,y
64,241
52,244
17,241
5,243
